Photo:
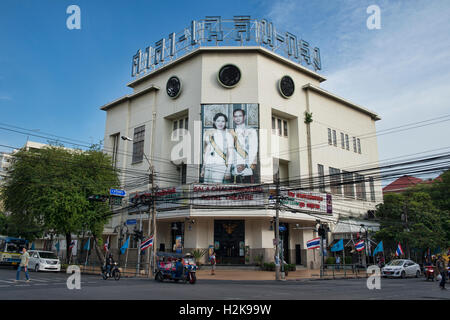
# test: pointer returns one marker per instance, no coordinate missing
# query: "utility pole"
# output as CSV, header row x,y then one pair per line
x,y
405,218
153,223
139,245
277,230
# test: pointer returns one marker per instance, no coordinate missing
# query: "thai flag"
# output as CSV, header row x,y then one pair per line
x,y
313,243
147,243
359,245
399,250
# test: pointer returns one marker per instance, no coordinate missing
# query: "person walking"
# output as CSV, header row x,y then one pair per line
x,y
338,262
24,259
212,260
440,265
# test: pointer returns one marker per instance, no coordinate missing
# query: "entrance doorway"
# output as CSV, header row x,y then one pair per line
x,y
229,241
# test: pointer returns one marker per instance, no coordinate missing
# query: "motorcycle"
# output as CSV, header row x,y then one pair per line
x,y
429,273
114,272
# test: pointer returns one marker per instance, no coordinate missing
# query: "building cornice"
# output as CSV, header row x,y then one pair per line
x,y
330,95
197,51
129,97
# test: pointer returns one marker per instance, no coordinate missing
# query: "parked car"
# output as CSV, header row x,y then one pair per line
x,y
401,268
43,261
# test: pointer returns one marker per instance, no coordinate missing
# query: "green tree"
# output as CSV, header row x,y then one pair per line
x,y
414,218
47,191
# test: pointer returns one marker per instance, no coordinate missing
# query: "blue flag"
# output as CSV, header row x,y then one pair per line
x,y
57,246
379,248
125,246
87,246
32,246
338,246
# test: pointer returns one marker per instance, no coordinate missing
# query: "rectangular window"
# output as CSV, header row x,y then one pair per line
x,y
360,187
285,128
372,189
138,144
186,121
181,123
342,141
347,145
321,178
330,141
334,138
349,190
279,126
115,148
335,181
354,144
359,146
274,126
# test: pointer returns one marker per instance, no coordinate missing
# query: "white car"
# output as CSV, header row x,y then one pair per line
x,y
401,268
43,261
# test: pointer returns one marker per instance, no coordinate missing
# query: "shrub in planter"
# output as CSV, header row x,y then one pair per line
x,y
269,266
331,260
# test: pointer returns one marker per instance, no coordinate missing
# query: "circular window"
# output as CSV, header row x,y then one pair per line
x,y
173,87
286,86
229,76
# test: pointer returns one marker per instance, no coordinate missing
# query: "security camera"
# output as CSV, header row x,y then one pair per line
x,y
126,138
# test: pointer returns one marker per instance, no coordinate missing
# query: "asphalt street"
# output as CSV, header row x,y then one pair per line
x,y
53,286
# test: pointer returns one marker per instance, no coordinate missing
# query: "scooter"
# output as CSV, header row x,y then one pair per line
x,y
429,273
114,273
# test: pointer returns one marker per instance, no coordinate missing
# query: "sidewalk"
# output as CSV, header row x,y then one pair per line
x,y
252,275
307,274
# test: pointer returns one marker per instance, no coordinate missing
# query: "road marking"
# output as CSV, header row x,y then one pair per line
x,y
3,286
7,281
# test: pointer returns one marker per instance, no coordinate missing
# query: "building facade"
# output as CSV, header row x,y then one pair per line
x,y
220,126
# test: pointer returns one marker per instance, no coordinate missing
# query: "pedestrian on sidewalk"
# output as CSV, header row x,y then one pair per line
x,y
338,262
24,259
440,265
212,260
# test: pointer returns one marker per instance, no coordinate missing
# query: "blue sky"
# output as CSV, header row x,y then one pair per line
x,y
54,80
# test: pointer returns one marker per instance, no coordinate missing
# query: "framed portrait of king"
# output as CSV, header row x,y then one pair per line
x,y
230,144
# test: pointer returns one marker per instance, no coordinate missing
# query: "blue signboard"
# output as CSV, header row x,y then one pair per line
x,y
117,192
282,228
131,221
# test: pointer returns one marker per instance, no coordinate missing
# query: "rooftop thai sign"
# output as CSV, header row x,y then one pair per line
x,y
215,31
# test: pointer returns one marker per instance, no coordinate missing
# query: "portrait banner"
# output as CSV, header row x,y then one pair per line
x,y
230,144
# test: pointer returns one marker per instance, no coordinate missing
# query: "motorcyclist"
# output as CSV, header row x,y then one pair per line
x,y
109,263
179,268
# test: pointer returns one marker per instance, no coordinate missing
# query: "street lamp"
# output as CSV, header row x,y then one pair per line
x,y
152,178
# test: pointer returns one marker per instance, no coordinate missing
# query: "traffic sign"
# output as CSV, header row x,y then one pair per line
x,y
282,228
131,221
117,192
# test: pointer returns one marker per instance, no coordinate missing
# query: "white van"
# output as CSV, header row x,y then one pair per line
x,y
43,261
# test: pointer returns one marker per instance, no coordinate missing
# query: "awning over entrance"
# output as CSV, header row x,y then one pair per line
x,y
354,226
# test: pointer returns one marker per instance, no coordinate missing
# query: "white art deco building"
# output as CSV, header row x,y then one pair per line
x,y
249,101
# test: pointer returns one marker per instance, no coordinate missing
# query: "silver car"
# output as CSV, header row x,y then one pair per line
x,y
401,268
43,261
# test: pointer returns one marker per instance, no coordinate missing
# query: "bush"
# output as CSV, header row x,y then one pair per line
x,y
331,260
269,266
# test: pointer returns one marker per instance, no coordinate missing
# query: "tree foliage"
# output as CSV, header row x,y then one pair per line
x,y
47,192
418,218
